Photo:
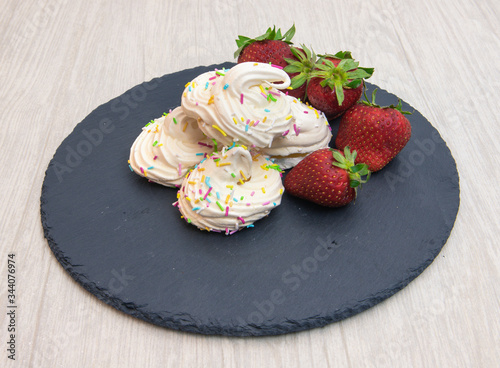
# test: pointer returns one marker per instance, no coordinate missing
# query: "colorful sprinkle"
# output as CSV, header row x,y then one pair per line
x,y
297,129
226,86
207,193
266,203
220,130
220,206
241,98
204,144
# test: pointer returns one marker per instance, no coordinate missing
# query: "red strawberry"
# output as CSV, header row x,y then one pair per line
x,y
336,84
271,47
377,133
327,177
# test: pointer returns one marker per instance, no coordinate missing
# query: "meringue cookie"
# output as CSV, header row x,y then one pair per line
x,y
242,104
168,147
309,132
230,190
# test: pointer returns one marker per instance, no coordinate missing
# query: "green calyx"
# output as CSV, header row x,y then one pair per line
x,y
271,34
304,65
372,103
358,173
347,74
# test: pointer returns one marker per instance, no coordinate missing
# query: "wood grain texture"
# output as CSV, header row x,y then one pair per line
x,y
60,59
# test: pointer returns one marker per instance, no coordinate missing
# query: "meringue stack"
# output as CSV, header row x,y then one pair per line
x,y
246,105
227,143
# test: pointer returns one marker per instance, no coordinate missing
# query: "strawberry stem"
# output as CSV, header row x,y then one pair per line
x,y
347,74
398,107
358,173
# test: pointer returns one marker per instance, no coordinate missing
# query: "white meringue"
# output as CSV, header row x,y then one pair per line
x,y
242,104
230,190
168,147
310,131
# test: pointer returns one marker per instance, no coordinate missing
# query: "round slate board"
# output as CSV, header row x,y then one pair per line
x,y
303,266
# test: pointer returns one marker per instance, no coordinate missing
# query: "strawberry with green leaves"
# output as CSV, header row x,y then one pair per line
x,y
377,133
327,177
271,47
336,83
275,48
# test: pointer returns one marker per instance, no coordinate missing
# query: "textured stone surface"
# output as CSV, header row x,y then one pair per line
x,y
302,267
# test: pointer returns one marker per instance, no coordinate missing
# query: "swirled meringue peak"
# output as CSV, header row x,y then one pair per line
x,y
309,131
243,104
230,190
168,147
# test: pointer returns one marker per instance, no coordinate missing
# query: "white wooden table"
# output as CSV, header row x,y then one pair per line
x,y
60,59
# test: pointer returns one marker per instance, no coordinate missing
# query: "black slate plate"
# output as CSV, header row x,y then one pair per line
x,y
302,267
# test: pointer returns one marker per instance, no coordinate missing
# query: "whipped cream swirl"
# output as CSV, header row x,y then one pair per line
x,y
168,147
230,190
242,104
